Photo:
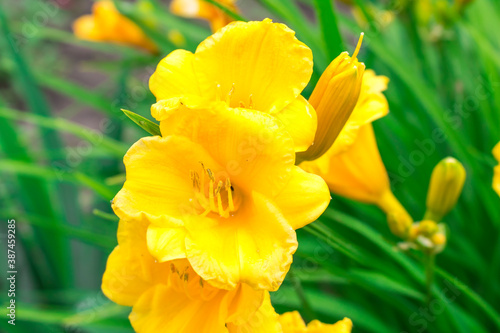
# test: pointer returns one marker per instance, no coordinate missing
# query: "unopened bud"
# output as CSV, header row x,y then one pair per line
x,y
446,184
334,99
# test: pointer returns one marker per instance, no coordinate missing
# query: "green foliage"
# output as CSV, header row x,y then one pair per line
x,y
60,166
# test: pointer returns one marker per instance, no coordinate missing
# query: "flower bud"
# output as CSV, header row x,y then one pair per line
x,y
334,99
446,184
428,236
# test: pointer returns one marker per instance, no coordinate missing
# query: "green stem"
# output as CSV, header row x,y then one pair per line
x,y
307,313
234,15
430,260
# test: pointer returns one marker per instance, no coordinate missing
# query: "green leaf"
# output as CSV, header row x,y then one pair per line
x,y
104,215
57,247
28,169
325,11
87,236
145,124
226,10
96,138
80,94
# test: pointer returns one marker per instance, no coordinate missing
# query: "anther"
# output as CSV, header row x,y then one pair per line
x,y
229,190
210,175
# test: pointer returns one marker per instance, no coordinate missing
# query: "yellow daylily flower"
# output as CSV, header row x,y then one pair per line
x,y
292,322
353,167
253,65
107,24
166,297
204,10
334,98
496,177
220,188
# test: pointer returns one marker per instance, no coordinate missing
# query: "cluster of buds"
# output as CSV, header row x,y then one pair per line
x,y
447,181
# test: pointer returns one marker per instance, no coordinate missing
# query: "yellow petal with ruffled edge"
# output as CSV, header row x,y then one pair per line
x,y
163,310
255,246
342,326
292,322
130,269
259,65
265,320
304,199
158,186
299,119
174,76
172,307
496,177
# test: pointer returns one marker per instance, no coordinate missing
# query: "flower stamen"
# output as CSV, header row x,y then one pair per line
x,y
358,46
215,200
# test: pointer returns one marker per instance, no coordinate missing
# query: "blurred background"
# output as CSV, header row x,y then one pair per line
x,y
63,137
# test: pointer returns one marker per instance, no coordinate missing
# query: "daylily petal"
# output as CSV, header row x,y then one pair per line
x,y
342,326
259,64
163,310
299,119
244,304
158,186
304,198
174,76
130,269
252,148
358,173
292,322
265,320
166,243
257,246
